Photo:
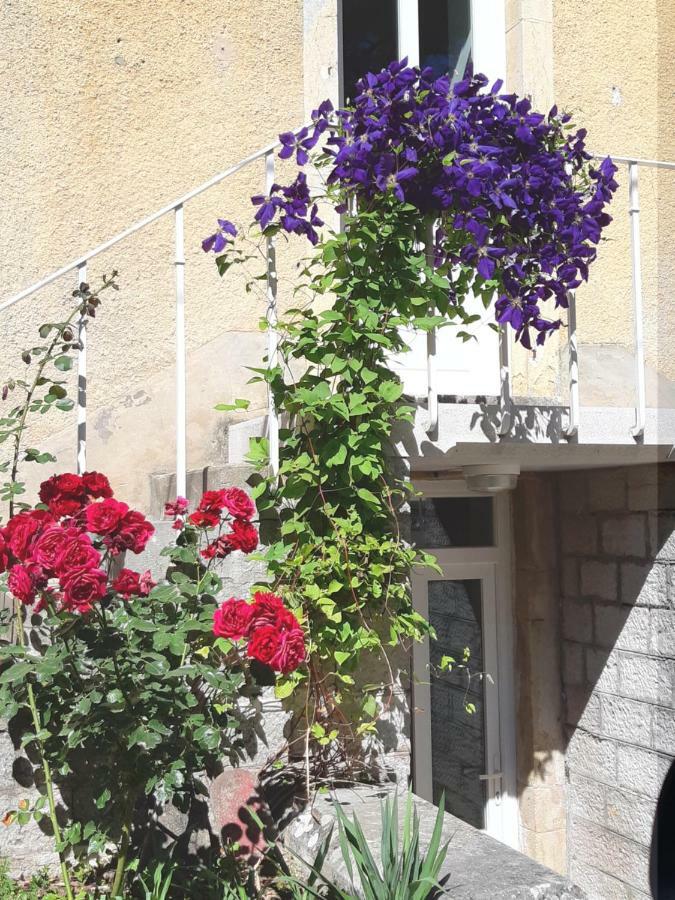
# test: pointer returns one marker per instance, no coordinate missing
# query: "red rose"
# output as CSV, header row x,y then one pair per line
x,y
130,583
212,501
232,619
21,584
82,588
49,544
96,485
269,609
4,554
238,503
63,494
133,533
291,653
244,536
77,553
204,519
104,517
22,529
178,508
264,645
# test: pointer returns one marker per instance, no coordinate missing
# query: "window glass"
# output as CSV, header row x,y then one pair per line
x,y
457,735
445,36
369,39
452,522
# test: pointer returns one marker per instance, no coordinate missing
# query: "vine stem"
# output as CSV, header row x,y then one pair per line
x,y
46,768
120,869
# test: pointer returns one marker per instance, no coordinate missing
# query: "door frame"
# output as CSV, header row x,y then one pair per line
x,y
494,566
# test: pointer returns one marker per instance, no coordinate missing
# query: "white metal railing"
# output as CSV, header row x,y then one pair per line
x,y
79,266
572,428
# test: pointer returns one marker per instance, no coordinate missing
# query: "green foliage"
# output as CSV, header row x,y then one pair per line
x,y
340,556
44,391
404,873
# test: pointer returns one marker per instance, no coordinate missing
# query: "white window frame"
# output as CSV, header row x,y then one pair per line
x,y
492,565
488,35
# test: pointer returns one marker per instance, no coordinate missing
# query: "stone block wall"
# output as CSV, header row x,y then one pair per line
x,y
617,602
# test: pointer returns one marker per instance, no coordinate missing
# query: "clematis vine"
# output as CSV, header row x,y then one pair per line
x,y
517,202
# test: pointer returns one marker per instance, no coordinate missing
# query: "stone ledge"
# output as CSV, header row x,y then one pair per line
x,y
477,866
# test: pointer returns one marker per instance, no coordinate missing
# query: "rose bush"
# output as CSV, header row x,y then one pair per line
x,y
130,684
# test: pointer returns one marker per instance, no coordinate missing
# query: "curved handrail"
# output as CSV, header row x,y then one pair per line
x,y
142,223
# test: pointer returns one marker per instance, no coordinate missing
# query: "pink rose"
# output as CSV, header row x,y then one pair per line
x,y
176,508
133,533
238,503
21,584
50,543
291,652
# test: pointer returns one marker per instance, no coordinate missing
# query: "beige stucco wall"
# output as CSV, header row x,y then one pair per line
x,y
608,63
110,109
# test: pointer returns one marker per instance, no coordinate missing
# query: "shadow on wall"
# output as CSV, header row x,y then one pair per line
x,y
595,621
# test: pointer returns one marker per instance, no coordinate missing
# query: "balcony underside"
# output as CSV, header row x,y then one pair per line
x,y
468,434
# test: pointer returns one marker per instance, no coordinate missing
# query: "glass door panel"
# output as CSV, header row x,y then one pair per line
x,y
458,738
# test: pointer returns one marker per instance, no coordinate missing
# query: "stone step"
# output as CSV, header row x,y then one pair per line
x,y
206,478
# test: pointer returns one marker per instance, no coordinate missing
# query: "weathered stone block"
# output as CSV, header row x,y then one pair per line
x,y
542,808
640,770
651,487
663,730
570,577
663,632
573,664
602,670
626,720
625,536
592,756
583,709
607,489
597,846
600,579
647,584
599,885
577,621
623,627
662,536
587,798
646,678
630,814
573,491
579,535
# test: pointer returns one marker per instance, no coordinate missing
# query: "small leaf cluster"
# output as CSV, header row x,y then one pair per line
x,y
43,389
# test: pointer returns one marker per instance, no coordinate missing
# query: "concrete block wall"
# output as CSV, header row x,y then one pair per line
x,y
617,603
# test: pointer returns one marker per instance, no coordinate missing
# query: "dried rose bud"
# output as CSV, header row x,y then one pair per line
x,y
67,334
26,357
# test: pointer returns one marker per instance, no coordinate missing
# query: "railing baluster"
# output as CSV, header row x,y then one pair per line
x,y
432,346
573,362
82,381
638,429
272,333
505,401
181,422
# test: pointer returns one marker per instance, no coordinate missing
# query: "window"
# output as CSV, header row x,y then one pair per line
x,y
452,522
435,33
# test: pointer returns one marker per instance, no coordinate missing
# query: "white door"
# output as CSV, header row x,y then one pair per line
x,y
463,719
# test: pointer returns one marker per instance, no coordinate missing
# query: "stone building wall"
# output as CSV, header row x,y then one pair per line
x,y
617,531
